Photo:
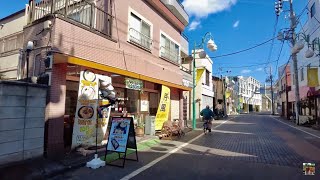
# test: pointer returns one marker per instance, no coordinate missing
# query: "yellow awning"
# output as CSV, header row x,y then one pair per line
x,y
60,58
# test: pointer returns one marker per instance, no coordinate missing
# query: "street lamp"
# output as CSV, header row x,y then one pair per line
x,y
202,54
316,45
28,50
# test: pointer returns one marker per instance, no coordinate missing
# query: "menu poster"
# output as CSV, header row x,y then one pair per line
x,y
103,115
119,134
144,105
84,129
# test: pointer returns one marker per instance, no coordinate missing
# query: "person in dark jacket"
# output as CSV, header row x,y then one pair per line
x,y
207,115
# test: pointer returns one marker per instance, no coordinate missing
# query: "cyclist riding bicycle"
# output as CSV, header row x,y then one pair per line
x,y
208,115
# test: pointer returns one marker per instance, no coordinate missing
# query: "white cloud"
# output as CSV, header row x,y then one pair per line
x,y
202,8
236,24
194,25
245,71
259,69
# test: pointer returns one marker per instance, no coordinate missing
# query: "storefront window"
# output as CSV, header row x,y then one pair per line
x,y
133,101
153,105
120,105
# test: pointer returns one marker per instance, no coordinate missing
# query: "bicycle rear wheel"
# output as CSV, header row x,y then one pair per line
x,y
205,127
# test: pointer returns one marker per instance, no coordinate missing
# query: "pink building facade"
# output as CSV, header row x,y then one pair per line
x,y
136,39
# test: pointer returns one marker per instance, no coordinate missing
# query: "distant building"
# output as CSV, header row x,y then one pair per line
x,y
249,94
217,87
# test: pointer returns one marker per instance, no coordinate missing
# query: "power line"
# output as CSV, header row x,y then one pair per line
x,y
274,34
285,66
276,70
253,65
237,52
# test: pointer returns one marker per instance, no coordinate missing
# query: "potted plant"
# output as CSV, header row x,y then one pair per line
x,y
140,130
140,126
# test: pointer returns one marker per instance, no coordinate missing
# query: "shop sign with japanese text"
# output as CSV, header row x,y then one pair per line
x,y
134,84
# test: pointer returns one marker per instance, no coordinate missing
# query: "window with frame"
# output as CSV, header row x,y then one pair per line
x,y
140,32
314,44
82,14
11,43
169,50
207,77
313,10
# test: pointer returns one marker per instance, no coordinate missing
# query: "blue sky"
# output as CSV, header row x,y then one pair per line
x,y
234,24
237,25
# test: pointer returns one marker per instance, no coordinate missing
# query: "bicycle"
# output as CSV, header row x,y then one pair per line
x,y
206,126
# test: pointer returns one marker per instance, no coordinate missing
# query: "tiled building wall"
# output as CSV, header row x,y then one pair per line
x,y
76,41
55,111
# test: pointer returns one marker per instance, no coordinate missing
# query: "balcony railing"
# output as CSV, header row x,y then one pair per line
x,y
180,3
185,69
170,55
184,36
140,39
81,11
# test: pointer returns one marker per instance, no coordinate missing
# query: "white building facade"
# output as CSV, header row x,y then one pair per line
x,y
249,97
309,94
204,88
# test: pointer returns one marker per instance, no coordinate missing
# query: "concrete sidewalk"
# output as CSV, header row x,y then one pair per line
x,y
42,168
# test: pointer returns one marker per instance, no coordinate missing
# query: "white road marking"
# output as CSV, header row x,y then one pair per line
x,y
296,128
152,163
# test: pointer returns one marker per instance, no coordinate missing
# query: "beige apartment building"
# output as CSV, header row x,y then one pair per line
x,y
136,40
11,43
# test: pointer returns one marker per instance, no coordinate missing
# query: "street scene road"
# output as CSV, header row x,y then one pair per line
x,y
242,147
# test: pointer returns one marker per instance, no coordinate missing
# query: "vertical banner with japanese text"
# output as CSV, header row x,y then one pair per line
x,y
199,75
163,108
84,128
313,80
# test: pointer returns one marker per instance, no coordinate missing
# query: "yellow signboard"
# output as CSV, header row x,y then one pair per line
x,y
199,74
313,80
163,108
228,94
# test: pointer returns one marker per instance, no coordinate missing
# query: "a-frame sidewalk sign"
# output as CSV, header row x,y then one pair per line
x,y
121,137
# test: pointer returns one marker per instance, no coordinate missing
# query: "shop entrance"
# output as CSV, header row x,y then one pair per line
x,y
137,103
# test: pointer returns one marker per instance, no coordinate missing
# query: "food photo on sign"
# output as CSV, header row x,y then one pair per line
x,y
119,134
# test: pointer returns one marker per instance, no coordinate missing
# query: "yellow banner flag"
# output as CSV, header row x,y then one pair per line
x,y
228,94
199,75
313,80
163,108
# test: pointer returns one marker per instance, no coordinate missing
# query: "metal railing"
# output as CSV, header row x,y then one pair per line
x,y
185,69
140,39
170,55
81,11
179,2
184,36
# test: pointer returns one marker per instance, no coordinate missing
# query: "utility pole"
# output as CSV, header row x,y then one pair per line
x,y
224,96
295,63
272,101
287,98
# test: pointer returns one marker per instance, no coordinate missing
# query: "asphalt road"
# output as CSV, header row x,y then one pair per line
x,y
243,147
